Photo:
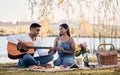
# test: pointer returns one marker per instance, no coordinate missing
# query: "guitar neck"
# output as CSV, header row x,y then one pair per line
x,y
35,47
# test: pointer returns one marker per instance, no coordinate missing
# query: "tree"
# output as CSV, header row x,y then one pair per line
x,y
91,11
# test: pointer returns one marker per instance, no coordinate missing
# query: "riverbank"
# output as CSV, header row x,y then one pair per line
x,y
52,30
117,37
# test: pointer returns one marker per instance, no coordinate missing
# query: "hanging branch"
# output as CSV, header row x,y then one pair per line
x,y
32,4
103,11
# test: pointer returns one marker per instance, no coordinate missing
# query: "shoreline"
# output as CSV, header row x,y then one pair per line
x,y
6,30
72,36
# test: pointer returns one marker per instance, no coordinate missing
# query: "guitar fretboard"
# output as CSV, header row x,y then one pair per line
x,y
35,47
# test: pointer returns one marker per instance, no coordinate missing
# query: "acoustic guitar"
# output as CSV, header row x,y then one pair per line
x,y
14,52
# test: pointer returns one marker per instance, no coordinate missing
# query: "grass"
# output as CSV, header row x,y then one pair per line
x,y
95,59
108,71
111,71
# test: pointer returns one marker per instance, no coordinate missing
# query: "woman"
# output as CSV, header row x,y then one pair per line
x,y
65,46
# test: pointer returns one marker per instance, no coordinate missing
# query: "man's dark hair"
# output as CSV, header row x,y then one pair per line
x,y
34,25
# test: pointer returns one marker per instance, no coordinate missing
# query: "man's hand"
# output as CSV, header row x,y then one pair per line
x,y
22,45
52,51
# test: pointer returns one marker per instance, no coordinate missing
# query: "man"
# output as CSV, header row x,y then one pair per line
x,y
28,60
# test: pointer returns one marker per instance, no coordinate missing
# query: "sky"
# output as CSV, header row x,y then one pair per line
x,y
18,10
14,10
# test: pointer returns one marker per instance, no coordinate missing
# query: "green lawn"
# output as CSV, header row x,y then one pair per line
x,y
109,71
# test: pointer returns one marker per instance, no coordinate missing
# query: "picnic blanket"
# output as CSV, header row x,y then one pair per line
x,y
56,69
38,69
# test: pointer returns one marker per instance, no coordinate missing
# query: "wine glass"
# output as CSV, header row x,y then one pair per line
x,y
59,43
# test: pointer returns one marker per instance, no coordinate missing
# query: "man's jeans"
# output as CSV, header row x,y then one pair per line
x,y
28,60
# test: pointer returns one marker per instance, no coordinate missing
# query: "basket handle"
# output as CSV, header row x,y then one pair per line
x,y
106,44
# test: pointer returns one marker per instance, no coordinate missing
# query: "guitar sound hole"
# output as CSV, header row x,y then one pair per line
x,y
22,50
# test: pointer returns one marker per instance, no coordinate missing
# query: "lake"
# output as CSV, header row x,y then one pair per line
x,y
49,41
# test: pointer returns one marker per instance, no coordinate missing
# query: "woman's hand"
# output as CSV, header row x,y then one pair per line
x,y
62,49
59,49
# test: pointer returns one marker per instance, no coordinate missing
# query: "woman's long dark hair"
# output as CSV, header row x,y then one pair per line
x,y
66,27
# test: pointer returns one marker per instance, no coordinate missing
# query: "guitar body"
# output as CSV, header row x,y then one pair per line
x,y
14,53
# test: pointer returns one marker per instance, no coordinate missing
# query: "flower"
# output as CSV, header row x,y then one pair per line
x,y
77,50
84,45
78,47
81,49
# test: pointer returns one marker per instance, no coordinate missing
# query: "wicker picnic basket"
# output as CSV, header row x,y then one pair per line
x,y
107,57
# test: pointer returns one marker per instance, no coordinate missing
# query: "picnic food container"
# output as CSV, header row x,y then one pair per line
x,y
105,56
